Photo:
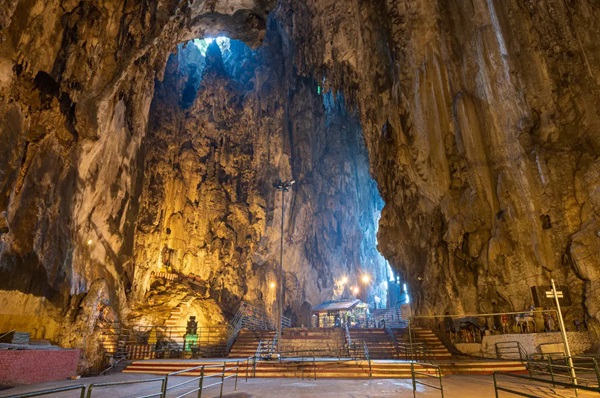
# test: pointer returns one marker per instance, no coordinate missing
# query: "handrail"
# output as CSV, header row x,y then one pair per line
x,y
348,337
414,373
310,355
537,380
367,356
390,333
551,366
164,387
50,391
121,383
7,333
504,347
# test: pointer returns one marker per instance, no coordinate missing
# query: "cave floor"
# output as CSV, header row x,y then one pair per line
x,y
459,386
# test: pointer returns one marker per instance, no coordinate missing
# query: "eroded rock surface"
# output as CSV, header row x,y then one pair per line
x,y
480,119
208,207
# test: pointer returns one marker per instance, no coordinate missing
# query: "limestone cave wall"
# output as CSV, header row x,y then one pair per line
x,y
480,120
482,123
223,127
76,83
104,182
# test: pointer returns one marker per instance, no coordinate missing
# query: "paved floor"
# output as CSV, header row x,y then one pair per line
x,y
454,386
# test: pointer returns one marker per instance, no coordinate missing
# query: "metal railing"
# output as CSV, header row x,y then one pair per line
x,y
467,328
50,391
214,371
367,357
154,389
165,340
312,357
510,350
557,366
158,393
251,318
429,371
301,357
392,336
415,351
541,383
7,333
348,338
266,349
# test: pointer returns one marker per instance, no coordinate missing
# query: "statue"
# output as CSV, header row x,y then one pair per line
x,y
192,326
190,339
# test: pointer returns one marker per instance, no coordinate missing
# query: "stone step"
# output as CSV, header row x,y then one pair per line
x,y
326,369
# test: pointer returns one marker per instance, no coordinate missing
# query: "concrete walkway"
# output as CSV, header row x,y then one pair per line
x,y
454,386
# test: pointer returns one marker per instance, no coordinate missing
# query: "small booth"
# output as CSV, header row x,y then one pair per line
x,y
337,313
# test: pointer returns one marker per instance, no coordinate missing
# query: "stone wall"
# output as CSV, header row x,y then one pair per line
x,y
36,366
579,343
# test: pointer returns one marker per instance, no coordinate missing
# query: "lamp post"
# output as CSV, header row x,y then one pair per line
x,y
365,280
282,186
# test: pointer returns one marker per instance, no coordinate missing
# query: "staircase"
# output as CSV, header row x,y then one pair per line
x,y
379,343
391,316
324,341
426,345
173,323
114,339
247,342
331,368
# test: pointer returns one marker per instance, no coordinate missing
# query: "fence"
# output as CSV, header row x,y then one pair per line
x,y
537,382
155,380
557,368
367,357
51,391
509,350
470,328
251,318
159,386
427,373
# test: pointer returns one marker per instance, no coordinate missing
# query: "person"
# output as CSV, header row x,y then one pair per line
x,y
504,319
549,322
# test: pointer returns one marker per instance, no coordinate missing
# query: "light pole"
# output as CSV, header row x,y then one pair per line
x,y
282,186
365,280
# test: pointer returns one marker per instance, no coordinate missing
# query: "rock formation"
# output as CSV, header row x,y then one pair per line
x,y
480,121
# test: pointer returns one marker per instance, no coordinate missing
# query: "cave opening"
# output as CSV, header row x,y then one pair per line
x,y
243,120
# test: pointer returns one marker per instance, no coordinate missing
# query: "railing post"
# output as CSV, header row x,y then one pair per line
x,y
201,382
223,379
237,371
551,370
597,371
410,338
414,381
439,371
164,387
247,366
495,385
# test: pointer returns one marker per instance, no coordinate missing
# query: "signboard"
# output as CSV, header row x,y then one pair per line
x,y
543,296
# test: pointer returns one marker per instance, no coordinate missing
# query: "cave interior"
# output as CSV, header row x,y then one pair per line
x,y
448,146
